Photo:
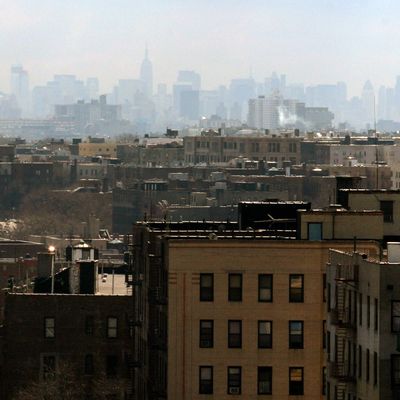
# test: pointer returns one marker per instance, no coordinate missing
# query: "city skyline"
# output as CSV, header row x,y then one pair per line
x,y
319,42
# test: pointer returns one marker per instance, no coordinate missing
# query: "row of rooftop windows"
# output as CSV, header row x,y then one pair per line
x,y
265,287
264,380
111,328
264,329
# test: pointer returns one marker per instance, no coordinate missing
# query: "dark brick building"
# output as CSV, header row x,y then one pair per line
x,y
89,335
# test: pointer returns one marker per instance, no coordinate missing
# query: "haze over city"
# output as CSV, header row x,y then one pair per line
x,y
312,41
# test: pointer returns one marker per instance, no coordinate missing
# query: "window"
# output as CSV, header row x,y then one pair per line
x,y
367,365
89,365
368,311
324,381
314,231
265,287
112,327
324,288
206,287
206,333
234,380
296,381
48,366
235,287
264,380
89,325
360,309
296,288
375,368
111,366
296,334
205,380
395,316
49,327
359,361
376,314
234,334
324,334
264,334
387,209
328,287
395,368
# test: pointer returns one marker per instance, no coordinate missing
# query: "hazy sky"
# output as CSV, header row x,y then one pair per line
x,y
314,41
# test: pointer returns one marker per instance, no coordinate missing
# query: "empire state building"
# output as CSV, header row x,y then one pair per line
x,y
146,75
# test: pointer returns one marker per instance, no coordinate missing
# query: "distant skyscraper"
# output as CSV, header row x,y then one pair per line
x,y
368,102
146,74
19,84
92,88
264,112
190,77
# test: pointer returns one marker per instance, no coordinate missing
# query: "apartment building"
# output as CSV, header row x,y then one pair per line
x,y
221,149
363,326
388,201
226,312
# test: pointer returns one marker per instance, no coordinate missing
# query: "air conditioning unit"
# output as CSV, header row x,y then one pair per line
x,y
205,343
234,390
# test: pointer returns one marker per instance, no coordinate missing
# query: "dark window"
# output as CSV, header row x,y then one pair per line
x,y
234,334
265,287
367,365
49,327
112,327
235,287
111,366
324,288
206,380
328,287
206,287
376,314
264,379
396,316
359,362
314,231
234,380
296,288
387,209
324,381
375,368
206,333
324,334
368,311
296,381
89,364
89,325
360,309
48,366
296,334
264,334
395,367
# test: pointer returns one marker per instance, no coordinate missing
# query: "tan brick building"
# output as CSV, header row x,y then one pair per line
x,y
223,312
221,149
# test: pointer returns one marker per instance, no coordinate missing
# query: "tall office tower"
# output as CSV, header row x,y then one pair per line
x,y
19,85
146,74
381,112
341,92
264,112
190,77
92,88
368,102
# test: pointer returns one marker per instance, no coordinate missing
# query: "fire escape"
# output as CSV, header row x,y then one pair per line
x,y
343,317
135,360
157,333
